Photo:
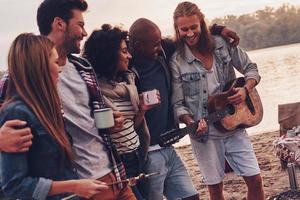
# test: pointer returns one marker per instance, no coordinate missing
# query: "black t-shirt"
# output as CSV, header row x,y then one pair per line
x,y
152,76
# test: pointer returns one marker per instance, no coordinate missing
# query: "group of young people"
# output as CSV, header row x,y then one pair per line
x,y
50,146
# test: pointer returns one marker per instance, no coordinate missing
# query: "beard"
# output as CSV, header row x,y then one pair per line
x,y
71,43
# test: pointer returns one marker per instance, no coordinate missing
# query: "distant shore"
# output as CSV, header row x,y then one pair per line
x,y
275,180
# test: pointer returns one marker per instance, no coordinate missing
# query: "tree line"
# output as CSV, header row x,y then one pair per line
x,y
265,28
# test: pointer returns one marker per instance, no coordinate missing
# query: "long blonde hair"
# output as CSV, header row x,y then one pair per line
x,y
30,80
205,44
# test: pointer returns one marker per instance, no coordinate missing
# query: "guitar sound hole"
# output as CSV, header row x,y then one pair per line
x,y
230,109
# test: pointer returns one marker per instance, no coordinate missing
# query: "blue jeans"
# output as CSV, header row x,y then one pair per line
x,y
173,181
133,167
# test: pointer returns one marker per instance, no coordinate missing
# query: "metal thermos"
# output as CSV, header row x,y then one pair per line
x,y
292,176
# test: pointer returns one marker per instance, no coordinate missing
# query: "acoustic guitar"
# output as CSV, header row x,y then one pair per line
x,y
224,115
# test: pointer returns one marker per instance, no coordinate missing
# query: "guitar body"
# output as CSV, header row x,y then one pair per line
x,y
246,114
225,116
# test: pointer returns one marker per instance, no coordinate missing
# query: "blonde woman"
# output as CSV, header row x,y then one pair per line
x,y
46,171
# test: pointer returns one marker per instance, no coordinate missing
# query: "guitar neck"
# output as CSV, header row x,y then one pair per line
x,y
172,136
190,128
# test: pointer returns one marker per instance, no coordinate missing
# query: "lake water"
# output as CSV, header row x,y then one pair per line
x,y
279,68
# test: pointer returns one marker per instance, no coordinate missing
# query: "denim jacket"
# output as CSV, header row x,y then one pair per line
x,y
29,175
190,90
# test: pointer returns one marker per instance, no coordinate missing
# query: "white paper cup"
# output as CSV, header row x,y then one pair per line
x,y
104,118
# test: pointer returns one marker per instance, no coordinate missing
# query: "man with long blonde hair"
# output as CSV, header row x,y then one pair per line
x,y
201,67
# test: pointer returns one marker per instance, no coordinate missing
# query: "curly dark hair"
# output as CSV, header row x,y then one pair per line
x,y
102,50
49,9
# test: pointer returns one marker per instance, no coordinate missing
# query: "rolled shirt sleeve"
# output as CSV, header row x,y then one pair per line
x,y
243,64
42,188
15,180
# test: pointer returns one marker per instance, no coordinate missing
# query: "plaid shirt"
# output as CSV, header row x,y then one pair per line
x,y
96,102
3,87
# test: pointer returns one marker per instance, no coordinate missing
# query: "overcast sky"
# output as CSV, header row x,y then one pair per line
x,y
19,16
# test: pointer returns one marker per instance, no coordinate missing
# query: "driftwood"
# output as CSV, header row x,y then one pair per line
x,y
288,116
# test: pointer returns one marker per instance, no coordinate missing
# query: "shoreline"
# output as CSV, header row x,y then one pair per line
x,y
275,180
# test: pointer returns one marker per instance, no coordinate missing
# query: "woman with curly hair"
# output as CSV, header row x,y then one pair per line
x,y
107,51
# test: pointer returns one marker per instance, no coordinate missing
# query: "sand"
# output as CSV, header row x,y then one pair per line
x,y
275,180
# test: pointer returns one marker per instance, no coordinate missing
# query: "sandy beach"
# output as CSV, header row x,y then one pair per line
x,y
275,179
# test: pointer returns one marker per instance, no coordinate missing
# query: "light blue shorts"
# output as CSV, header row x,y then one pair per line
x,y
173,182
236,149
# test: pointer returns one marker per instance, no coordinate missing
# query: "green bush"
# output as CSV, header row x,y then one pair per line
x,y
267,27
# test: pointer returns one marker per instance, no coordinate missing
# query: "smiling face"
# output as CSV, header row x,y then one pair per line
x,y
150,46
75,32
189,29
124,57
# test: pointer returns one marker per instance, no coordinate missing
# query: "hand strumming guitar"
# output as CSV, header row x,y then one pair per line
x,y
239,95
